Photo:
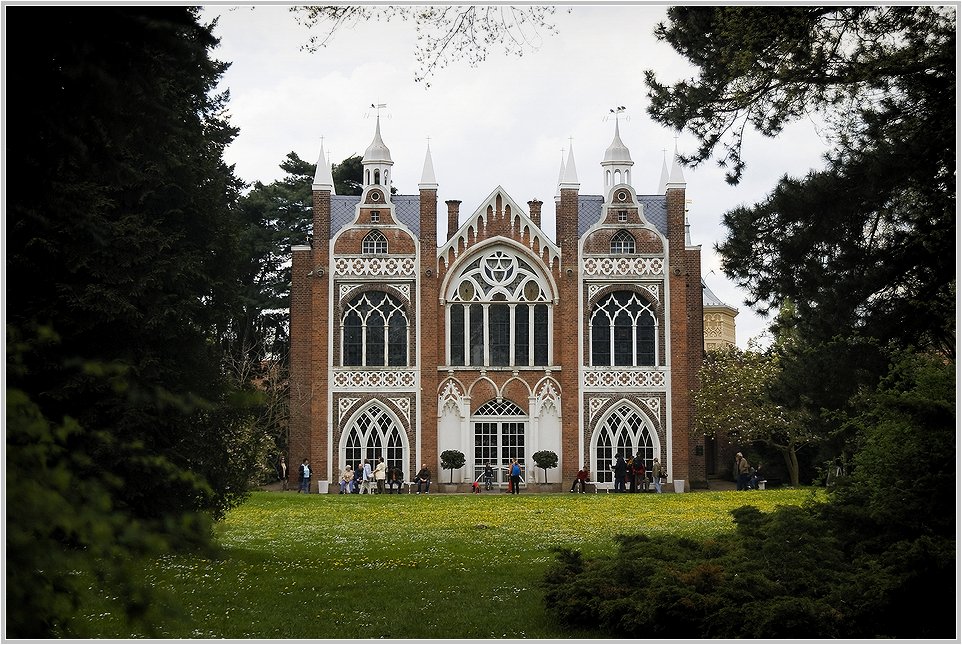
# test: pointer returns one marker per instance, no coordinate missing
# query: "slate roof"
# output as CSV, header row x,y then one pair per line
x,y
654,207
407,210
709,299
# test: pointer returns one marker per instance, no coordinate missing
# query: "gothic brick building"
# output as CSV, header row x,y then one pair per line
x,y
494,339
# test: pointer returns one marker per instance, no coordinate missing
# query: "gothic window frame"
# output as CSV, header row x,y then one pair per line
x,y
497,290
374,243
498,435
622,242
624,430
374,431
374,322
610,342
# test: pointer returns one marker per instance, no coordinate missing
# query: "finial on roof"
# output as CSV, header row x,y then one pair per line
x,y
323,177
677,178
570,179
428,180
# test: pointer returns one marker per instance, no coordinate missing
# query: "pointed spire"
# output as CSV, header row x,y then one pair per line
x,y
377,151
687,232
323,177
617,151
428,181
677,178
663,181
570,179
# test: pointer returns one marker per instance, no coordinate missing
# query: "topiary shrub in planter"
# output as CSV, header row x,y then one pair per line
x,y
452,460
545,459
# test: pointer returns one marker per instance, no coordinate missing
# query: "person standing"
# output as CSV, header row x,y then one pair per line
x,y
641,474
282,473
380,474
621,468
580,479
656,473
367,477
741,466
488,476
424,478
305,477
515,477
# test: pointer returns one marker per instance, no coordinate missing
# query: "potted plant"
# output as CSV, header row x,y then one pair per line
x,y
452,460
545,459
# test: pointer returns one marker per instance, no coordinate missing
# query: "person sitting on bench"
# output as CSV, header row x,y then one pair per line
x,y
580,479
423,478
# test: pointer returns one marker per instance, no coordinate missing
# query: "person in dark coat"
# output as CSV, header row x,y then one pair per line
x,y
621,469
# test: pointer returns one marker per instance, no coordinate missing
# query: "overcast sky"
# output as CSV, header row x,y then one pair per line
x,y
504,122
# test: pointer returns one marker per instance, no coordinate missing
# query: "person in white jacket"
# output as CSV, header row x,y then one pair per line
x,y
380,474
366,477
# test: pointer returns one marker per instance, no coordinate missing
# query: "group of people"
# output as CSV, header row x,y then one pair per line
x,y
380,479
746,476
630,475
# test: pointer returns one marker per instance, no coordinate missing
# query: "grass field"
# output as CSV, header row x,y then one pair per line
x,y
406,566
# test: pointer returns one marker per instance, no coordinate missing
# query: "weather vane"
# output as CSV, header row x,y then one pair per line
x,y
617,111
377,107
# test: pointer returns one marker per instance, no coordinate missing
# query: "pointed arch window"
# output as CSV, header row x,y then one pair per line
x,y
374,329
374,243
499,314
622,242
372,435
622,331
624,432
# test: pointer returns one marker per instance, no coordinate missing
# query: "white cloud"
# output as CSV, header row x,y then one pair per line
x,y
501,123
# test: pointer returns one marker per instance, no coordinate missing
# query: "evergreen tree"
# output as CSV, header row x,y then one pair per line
x,y
123,435
865,246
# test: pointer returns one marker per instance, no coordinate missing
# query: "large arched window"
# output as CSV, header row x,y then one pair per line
x,y
374,242
374,434
498,435
624,432
622,243
622,331
374,330
499,314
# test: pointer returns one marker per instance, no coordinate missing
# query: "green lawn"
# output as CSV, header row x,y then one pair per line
x,y
407,566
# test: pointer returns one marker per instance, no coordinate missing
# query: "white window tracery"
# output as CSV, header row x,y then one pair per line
x,y
374,331
499,313
374,243
499,429
624,432
622,331
373,434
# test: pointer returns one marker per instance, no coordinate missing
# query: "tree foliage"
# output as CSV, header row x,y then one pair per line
x,y
836,569
864,246
445,33
737,399
270,219
123,435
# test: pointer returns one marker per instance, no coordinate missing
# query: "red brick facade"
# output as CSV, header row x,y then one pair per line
x,y
492,335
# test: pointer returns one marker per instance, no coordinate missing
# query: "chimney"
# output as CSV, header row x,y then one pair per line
x,y
534,208
453,205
